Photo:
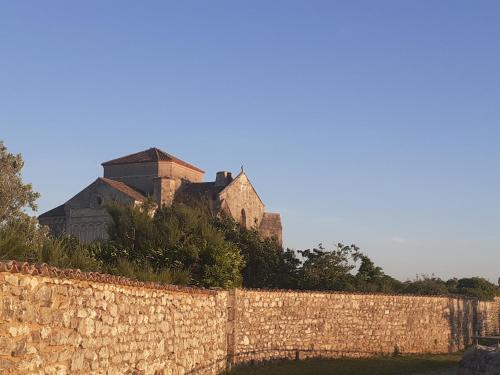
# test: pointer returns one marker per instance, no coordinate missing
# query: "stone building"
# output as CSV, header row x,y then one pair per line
x,y
154,173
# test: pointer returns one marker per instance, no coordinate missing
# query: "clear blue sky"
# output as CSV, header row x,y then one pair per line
x,y
373,122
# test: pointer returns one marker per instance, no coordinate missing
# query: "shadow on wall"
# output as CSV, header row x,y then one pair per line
x,y
462,315
488,318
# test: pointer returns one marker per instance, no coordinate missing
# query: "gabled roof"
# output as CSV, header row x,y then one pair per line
x,y
58,211
125,189
201,189
150,155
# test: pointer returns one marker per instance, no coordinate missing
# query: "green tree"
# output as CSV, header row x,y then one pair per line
x,y
477,287
266,264
177,240
328,270
425,285
15,195
19,232
21,238
371,278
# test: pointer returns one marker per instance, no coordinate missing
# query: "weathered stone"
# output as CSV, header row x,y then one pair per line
x,y
45,332
19,350
86,327
103,353
6,346
11,279
77,361
7,309
7,364
43,296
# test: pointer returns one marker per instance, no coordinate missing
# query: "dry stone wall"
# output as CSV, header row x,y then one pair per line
x,y
290,324
59,326
73,323
489,318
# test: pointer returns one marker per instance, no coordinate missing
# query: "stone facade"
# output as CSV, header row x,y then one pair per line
x,y
75,323
164,178
84,216
240,201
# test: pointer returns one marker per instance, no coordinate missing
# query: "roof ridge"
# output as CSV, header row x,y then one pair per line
x,y
157,152
152,154
56,211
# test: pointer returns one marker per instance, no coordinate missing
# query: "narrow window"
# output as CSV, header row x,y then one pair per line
x,y
243,218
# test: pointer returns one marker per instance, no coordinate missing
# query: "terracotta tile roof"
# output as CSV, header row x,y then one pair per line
x,y
150,155
125,189
44,269
58,211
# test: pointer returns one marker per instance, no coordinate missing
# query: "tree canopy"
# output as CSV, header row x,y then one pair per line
x,y
15,195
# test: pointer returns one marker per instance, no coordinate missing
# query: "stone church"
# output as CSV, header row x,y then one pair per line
x,y
166,179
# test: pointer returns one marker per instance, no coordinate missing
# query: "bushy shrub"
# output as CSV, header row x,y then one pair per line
x,y
179,240
266,264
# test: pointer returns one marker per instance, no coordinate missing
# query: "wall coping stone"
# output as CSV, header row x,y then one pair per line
x,y
345,292
44,269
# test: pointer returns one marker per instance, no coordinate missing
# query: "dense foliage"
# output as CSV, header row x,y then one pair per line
x,y
179,241
21,238
266,264
185,244
471,287
15,195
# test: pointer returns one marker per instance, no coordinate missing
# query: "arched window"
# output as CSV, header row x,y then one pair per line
x,y
243,218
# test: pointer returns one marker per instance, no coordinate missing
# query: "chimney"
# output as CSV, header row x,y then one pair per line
x,y
223,178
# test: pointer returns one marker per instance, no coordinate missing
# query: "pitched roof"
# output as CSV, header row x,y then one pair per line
x,y
58,211
201,189
150,155
125,189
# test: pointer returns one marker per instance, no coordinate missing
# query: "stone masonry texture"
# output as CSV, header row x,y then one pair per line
x,y
73,323
60,326
271,325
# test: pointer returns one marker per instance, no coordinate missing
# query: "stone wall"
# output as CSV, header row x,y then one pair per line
x,y
286,324
489,318
54,325
61,322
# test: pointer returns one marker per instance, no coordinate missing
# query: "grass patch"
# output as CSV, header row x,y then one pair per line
x,y
399,365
